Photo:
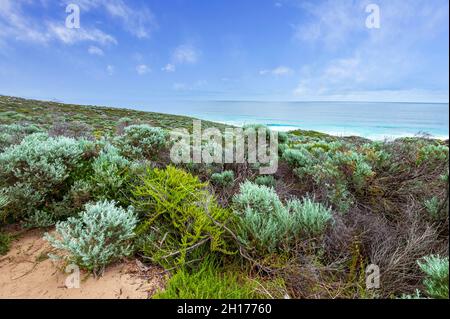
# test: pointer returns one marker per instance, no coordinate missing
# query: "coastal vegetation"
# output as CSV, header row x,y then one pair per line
x,y
101,182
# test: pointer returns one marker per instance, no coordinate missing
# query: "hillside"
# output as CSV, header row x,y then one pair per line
x,y
340,218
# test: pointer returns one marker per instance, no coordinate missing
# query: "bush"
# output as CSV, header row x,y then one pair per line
x,y
38,171
436,281
340,170
267,180
432,206
5,243
141,141
207,282
181,216
73,129
312,218
14,133
224,179
98,236
109,173
266,225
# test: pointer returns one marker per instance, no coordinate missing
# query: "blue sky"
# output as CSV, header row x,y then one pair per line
x,y
135,52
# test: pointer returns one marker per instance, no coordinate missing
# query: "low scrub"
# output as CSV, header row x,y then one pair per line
x,y
38,171
266,225
141,141
436,281
179,217
207,282
100,235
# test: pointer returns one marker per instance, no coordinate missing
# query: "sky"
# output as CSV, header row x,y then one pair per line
x,y
135,51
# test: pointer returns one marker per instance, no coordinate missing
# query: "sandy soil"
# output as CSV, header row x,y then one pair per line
x,y
27,272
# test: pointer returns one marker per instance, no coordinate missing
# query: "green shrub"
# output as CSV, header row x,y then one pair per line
x,y
310,217
38,171
98,236
14,133
266,225
342,171
432,206
141,141
436,280
208,282
267,180
224,179
180,216
109,173
431,154
5,243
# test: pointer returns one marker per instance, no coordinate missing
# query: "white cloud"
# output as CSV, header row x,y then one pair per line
x,y
180,86
371,61
93,50
185,54
142,69
71,36
16,25
140,22
110,69
278,71
169,68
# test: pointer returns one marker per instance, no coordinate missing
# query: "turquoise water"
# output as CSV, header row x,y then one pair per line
x,y
372,120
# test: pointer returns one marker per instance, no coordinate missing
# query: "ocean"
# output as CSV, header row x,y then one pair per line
x,y
372,120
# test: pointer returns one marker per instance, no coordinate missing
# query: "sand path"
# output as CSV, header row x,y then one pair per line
x,y
27,272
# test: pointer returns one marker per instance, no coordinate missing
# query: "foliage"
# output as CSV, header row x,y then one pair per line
x,y
5,243
109,173
208,282
224,179
14,133
432,206
436,269
98,236
74,129
341,170
180,216
266,180
312,218
266,225
141,141
38,171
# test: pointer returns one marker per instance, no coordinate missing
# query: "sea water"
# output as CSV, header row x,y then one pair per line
x,y
372,120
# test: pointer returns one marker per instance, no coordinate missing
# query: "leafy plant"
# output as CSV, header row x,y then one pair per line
x,y
38,171
100,235
141,141
436,269
207,282
180,216
310,217
224,179
5,243
266,225
267,180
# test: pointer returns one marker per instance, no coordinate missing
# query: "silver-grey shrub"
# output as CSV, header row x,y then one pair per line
x,y
38,170
100,235
436,269
141,141
14,133
265,224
